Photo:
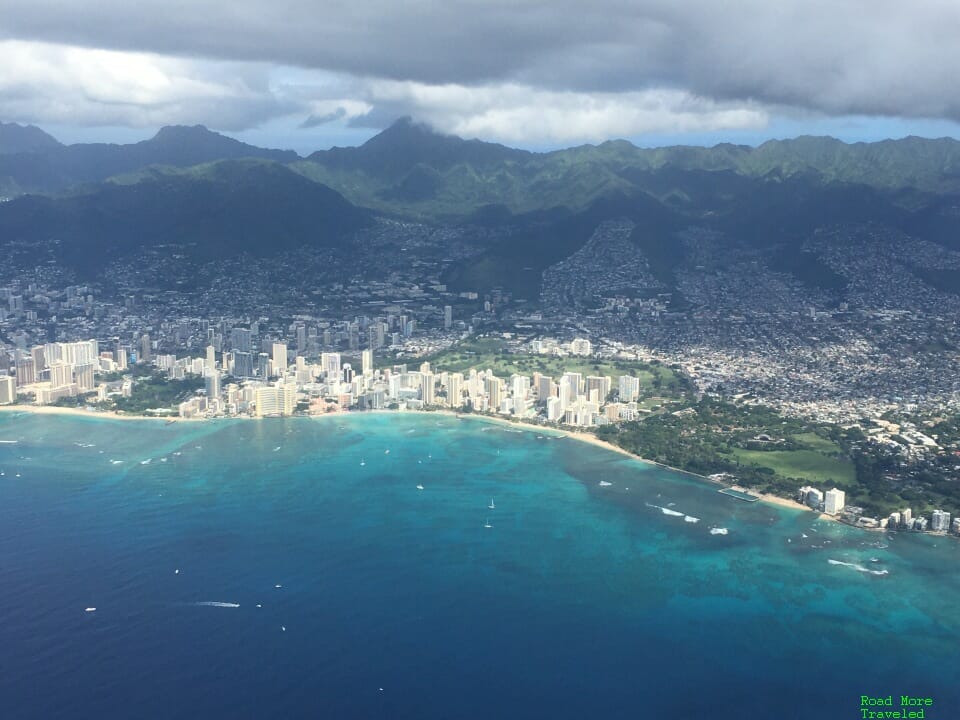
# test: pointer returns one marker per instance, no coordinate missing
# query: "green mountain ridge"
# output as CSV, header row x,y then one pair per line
x,y
55,168
234,207
540,207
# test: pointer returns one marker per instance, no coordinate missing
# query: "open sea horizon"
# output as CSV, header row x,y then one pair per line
x,y
294,568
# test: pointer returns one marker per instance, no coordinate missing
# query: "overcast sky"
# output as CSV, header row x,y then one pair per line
x,y
309,74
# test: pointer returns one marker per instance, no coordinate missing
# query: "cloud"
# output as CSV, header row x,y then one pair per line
x,y
850,57
83,86
521,114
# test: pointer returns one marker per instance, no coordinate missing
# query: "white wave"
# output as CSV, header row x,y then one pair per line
x,y
718,531
145,462
858,568
604,483
212,603
690,519
116,462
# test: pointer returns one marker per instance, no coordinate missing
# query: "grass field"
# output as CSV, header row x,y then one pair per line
x,y
809,465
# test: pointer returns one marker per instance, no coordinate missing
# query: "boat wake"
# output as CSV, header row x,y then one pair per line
x,y
667,511
604,483
718,531
858,568
212,603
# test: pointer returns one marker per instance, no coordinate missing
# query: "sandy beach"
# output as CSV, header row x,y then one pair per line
x,y
80,412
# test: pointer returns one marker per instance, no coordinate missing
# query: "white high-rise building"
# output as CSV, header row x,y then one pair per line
x,y
61,375
211,360
279,399
212,383
366,362
279,358
554,411
521,386
330,362
940,521
814,497
834,501
427,388
8,389
629,388
597,388
494,387
83,375
574,381
146,348
455,390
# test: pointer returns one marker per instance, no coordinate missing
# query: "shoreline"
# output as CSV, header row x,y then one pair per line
x,y
579,436
81,412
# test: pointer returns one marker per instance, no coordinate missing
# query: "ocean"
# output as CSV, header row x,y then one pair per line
x,y
291,568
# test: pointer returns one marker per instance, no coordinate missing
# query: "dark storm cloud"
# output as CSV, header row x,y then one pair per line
x,y
839,57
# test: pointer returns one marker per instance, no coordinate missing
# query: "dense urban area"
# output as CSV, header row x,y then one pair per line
x,y
751,378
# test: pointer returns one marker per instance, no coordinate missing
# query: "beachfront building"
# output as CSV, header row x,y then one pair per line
x,y
279,399
810,496
833,501
8,389
939,521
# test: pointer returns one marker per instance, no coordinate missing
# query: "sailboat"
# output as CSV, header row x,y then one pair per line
x,y
491,505
487,524
419,487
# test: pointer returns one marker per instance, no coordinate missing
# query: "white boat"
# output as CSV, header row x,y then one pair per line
x,y
491,505
362,463
419,487
487,524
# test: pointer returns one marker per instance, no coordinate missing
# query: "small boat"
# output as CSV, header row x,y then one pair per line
x,y
90,609
386,452
491,505
419,487
362,463
487,524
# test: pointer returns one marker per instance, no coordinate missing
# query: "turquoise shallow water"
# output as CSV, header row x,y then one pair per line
x,y
580,600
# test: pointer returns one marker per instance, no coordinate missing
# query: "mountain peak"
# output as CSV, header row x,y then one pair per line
x,y
185,132
409,143
16,138
192,144
406,130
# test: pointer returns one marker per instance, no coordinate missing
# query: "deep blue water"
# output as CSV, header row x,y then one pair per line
x,y
581,600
